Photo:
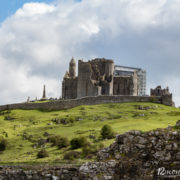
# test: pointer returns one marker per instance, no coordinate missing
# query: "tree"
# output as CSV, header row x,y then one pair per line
x,y
107,132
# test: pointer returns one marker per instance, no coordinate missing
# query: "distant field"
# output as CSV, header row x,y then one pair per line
x,y
24,128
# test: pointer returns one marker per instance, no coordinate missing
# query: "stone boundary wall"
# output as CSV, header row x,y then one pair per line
x,y
66,104
25,172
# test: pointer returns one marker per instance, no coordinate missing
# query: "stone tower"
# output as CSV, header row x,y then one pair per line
x,y
69,84
72,68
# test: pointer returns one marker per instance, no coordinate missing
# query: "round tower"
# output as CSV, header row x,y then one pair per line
x,y
72,68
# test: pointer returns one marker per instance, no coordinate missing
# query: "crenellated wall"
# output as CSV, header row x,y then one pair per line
x,y
66,104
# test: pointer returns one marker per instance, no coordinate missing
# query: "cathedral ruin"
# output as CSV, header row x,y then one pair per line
x,y
99,81
101,77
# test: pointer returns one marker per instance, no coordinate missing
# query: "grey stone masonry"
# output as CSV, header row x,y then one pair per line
x,y
66,104
96,77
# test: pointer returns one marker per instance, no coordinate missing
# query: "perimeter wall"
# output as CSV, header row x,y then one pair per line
x,y
66,104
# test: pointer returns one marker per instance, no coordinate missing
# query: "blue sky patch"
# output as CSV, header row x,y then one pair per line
x,y
9,7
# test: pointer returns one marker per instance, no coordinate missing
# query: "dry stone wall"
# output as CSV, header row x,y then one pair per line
x,y
66,104
38,173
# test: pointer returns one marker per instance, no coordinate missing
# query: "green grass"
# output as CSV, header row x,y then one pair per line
x,y
88,120
41,101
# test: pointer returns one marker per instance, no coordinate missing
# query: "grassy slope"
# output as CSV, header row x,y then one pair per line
x,y
122,117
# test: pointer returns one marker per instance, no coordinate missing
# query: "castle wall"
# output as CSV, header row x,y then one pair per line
x,y
66,104
158,91
123,86
128,71
167,100
95,78
85,85
103,70
69,88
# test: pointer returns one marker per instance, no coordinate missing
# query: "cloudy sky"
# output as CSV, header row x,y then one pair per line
x,y
38,39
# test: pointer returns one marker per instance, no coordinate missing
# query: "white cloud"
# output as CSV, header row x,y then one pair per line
x,y
17,85
37,42
34,9
90,28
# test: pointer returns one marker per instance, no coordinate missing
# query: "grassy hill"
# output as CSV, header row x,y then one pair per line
x,y
25,130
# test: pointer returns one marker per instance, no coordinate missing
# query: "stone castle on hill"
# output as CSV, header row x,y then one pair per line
x,y
99,81
102,77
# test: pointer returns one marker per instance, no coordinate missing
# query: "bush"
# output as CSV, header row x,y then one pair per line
x,y
89,150
107,132
53,140
75,143
58,141
92,149
79,142
83,141
63,142
71,119
72,155
3,144
42,154
8,118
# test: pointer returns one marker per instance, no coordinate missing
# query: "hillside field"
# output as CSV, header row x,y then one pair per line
x,y
25,130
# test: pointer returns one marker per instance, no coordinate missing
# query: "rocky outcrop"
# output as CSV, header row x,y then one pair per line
x,y
133,156
139,155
